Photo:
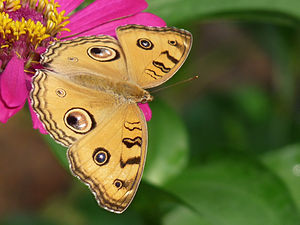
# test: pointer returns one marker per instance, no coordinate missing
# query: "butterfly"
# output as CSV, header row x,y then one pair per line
x,y
86,96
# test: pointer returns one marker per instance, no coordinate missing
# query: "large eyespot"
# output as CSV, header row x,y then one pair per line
x,y
101,156
102,53
78,120
145,44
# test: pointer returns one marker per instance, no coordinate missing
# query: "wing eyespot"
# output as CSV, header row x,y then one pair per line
x,y
102,53
78,120
145,43
101,156
118,183
73,59
172,42
60,92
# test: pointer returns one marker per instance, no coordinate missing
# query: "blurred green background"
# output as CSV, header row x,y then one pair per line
x,y
223,149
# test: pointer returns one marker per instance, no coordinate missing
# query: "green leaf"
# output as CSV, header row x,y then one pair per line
x,y
180,11
168,144
152,203
183,215
286,164
232,191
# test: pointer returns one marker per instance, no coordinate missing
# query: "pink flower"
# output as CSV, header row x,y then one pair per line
x,y
27,27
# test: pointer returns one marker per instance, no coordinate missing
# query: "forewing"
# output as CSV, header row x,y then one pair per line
x,y
153,54
100,55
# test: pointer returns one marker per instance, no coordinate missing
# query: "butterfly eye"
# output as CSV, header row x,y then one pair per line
x,y
102,53
145,44
78,120
101,156
173,42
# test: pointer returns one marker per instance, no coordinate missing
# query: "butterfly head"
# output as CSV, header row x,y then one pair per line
x,y
146,97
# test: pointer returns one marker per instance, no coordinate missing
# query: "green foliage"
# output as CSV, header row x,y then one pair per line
x,y
232,190
285,164
179,11
168,145
227,156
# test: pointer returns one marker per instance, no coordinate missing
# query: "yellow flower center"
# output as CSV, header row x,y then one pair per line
x,y
35,31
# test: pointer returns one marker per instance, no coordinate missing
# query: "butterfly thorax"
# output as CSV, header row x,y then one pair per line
x,y
123,90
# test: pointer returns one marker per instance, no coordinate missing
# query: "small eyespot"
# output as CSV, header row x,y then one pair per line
x,y
145,44
101,156
118,183
60,92
102,53
73,59
172,42
78,120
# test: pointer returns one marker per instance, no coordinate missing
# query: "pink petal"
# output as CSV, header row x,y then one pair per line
x,y
146,110
68,5
101,12
146,19
40,50
12,83
37,124
6,113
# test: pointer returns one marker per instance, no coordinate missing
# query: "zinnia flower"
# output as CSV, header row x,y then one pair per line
x,y
27,27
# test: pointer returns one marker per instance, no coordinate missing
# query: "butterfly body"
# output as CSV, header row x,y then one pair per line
x,y
86,97
123,90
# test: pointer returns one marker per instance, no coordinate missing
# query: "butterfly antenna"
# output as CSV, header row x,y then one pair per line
x,y
175,84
